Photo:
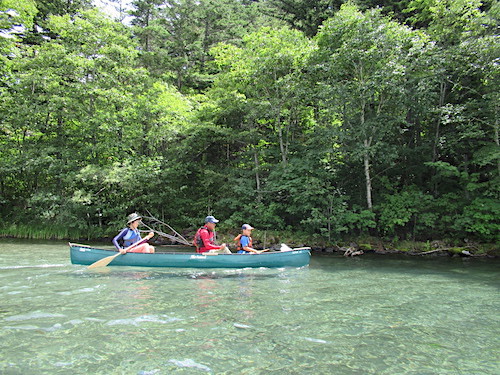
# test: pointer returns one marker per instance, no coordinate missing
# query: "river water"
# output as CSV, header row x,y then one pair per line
x,y
366,315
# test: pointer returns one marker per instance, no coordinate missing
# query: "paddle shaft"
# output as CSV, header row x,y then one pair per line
x,y
105,261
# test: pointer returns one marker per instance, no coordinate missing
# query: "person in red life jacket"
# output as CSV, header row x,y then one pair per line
x,y
131,235
244,241
204,238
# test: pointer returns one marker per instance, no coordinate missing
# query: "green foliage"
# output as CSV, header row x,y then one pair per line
x,y
480,219
362,65
15,16
176,36
408,210
106,190
304,15
214,107
447,19
358,220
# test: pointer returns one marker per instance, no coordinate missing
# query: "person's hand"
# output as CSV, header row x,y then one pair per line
x,y
150,235
123,251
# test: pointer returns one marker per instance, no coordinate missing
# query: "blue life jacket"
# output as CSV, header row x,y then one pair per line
x,y
131,237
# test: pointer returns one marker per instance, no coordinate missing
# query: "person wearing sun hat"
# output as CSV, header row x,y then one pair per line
x,y
244,241
204,239
131,235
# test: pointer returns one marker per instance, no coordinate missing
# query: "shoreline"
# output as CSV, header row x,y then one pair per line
x,y
441,253
434,249
353,248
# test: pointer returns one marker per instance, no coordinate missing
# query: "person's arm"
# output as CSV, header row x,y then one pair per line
x,y
205,237
252,250
118,238
149,236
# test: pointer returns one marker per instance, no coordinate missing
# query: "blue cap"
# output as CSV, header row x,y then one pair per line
x,y
211,219
246,226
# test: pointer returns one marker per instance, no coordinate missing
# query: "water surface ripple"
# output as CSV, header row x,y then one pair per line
x,y
366,315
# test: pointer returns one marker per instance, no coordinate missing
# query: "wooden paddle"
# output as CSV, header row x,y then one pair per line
x,y
105,261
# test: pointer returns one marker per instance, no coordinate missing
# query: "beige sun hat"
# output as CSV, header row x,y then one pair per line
x,y
133,217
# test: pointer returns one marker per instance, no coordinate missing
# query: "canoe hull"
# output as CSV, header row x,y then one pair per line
x,y
86,255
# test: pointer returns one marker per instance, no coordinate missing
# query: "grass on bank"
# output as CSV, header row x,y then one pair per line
x,y
51,232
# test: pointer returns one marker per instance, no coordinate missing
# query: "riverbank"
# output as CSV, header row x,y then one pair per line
x,y
437,248
358,247
348,246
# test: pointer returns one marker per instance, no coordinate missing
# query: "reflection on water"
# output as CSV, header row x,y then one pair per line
x,y
367,315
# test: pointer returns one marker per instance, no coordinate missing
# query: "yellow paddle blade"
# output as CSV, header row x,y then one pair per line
x,y
103,262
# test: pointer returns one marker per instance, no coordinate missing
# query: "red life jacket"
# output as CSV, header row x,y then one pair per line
x,y
198,242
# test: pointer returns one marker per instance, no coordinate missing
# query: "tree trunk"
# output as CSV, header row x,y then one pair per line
x,y
257,177
497,141
366,160
438,125
282,142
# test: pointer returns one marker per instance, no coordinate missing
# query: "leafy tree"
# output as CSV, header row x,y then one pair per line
x,y
362,63
266,71
467,137
480,219
144,13
46,8
81,102
263,98
176,36
15,17
409,211
446,20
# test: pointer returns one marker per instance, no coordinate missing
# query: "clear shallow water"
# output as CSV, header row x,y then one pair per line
x,y
366,315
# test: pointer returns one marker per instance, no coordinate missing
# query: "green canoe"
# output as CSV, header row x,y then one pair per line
x,y
86,255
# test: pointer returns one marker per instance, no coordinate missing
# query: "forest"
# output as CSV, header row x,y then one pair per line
x,y
324,120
